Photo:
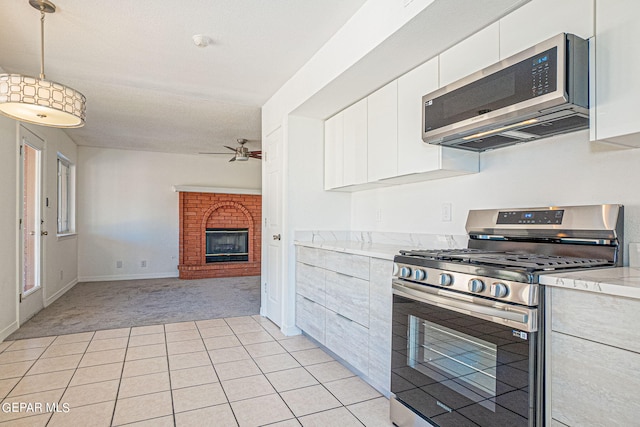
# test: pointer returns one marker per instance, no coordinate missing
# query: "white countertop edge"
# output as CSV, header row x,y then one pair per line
x,y
620,281
373,250
221,190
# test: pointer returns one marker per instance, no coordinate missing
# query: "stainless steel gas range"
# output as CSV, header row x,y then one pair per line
x,y
467,347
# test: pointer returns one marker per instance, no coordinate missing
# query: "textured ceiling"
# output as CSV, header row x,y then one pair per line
x,y
148,86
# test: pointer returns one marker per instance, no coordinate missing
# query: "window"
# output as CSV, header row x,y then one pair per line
x,y
66,195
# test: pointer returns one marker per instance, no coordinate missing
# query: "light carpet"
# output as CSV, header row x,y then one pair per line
x,y
95,306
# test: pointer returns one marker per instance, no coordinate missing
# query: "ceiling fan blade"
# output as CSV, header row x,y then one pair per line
x,y
230,148
255,156
233,159
202,152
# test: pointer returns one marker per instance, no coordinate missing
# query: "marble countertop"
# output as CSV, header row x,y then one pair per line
x,y
383,245
620,281
374,250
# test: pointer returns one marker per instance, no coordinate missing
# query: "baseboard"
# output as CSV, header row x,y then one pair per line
x,y
61,292
8,330
291,330
126,277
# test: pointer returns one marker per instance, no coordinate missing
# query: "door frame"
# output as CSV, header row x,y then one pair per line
x,y
30,303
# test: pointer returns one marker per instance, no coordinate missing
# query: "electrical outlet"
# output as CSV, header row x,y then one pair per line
x,y
446,212
143,263
118,264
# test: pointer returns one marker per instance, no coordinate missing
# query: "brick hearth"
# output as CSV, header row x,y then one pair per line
x,y
199,211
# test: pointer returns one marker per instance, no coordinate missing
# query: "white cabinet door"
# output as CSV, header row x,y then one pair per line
x,y
310,317
348,296
355,143
542,19
617,71
382,130
414,155
470,55
333,152
348,340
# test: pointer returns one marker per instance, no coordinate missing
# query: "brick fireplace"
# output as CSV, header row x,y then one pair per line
x,y
201,212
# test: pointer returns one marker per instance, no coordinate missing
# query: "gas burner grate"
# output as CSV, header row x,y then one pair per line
x,y
507,260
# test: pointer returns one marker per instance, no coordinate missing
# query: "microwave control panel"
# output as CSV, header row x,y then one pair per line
x,y
542,71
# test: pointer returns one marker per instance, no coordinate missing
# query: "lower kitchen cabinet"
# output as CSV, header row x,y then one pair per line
x,y
348,296
593,359
310,317
348,339
351,316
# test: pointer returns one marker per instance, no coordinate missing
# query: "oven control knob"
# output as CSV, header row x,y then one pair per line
x,y
446,279
405,272
419,274
499,290
476,286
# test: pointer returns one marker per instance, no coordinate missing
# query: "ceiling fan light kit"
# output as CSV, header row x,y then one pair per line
x,y
37,100
242,153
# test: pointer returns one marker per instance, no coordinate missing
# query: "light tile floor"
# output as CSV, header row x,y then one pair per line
x,y
220,372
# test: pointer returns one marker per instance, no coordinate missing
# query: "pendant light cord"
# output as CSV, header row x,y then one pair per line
x,y
42,43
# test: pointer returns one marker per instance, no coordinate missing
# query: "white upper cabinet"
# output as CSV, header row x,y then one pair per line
x,y
617,64
355,143
539,20
414,155
470,55
334,152
383,133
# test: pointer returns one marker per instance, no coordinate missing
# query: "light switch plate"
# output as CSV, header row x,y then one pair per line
x,y
634,254
446,212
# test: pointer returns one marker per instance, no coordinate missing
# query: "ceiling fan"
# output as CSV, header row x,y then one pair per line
x,y
242,153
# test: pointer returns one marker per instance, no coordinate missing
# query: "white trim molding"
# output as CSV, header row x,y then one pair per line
x,y
220,190
127,277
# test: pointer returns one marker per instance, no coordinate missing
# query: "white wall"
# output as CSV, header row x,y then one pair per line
x,y
8,225
562,170
128,211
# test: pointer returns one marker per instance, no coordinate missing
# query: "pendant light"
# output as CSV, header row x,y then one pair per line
x,y
37,100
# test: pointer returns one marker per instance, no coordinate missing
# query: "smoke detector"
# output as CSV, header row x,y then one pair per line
x,y
201,40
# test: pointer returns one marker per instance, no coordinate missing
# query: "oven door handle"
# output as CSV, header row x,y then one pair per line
x,y
521,317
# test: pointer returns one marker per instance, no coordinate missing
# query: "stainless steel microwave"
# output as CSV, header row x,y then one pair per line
x,y
539,92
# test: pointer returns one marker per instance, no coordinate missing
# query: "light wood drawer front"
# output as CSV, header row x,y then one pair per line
x,y
310,317
310,256
349,264
593,384
596,317
348,340
348,296
310,282
381,300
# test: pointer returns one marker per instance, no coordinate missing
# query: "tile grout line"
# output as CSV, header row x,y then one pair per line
x,y
69,382
216,371
166,348
124,360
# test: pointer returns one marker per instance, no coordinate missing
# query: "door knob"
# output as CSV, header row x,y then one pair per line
x,y
44,233
276,237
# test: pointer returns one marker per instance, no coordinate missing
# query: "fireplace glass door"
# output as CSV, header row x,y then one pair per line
x,y
227,244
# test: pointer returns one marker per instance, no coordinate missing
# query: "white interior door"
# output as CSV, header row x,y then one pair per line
x,y
31,225
272,236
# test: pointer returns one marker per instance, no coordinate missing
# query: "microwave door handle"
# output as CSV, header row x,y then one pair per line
x,y
523,318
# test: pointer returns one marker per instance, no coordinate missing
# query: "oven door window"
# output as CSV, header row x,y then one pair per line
x,y
458,370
